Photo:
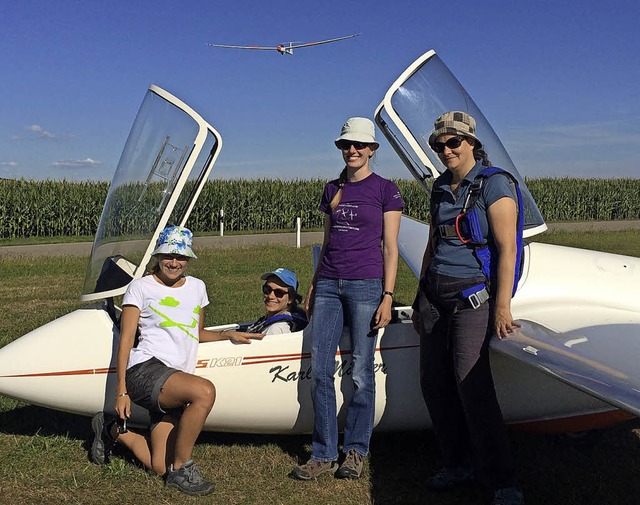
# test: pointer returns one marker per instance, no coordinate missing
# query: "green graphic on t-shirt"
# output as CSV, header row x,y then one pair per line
x,y
170,323
169,301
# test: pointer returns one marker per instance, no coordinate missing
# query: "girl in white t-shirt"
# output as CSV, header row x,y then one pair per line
x,y
167,309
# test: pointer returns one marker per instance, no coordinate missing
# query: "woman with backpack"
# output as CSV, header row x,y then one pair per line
x,y
463,299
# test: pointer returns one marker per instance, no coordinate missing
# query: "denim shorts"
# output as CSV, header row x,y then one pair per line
x,y
144,383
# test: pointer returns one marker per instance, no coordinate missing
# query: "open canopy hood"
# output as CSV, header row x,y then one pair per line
x,y
177,149
406,115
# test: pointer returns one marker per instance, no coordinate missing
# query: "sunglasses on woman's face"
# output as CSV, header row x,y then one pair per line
x,y
345,145
171,257
452,143
267,290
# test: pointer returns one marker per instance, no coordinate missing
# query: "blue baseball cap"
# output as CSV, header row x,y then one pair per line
x,y
286,276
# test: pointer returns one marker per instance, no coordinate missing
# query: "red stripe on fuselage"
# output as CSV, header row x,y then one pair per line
x,y
272,358
88,371
581,422
249,360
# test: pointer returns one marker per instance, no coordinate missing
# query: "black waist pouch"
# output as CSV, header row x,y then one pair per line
x,y
429,314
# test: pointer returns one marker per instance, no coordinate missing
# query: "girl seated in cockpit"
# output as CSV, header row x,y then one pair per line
x,y
281,298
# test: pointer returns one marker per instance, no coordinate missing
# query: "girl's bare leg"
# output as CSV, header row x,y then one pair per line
x,y
163,437
138,444
199,395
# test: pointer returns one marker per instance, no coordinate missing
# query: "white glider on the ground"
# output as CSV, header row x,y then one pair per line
x,y
572,366
286,48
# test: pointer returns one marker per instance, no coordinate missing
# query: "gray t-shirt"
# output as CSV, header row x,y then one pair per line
x,y
452,257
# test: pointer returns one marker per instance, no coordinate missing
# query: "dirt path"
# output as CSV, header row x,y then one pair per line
x,y
84,248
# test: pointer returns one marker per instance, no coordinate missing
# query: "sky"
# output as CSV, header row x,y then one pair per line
x,y
558,80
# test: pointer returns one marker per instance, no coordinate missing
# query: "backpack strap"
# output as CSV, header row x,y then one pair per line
x,y
485,251
466,226
295,322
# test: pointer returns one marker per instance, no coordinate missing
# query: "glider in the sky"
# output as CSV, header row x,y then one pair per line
x,y
285,48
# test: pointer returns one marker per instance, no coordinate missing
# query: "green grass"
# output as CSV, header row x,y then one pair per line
x,y
45,240
44,453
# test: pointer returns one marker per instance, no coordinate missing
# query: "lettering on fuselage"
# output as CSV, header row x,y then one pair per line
x,y
285,374
219,362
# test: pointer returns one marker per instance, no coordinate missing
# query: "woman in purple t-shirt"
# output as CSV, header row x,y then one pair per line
x,y
353,286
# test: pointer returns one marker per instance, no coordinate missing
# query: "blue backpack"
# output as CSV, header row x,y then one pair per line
x,y
466,227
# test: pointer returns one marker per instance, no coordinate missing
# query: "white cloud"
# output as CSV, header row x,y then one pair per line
x,y
37,132
87,162
41,132
8,164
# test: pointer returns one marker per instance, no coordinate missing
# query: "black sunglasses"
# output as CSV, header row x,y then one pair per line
x,y
452,143
345,145
267,290
171,257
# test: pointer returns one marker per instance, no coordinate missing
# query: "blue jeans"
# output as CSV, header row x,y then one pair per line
x,y
340,302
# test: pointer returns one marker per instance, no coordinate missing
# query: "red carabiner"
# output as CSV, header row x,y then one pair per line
x,y
462,239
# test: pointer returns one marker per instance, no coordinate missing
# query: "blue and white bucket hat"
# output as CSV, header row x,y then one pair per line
x,y
175,240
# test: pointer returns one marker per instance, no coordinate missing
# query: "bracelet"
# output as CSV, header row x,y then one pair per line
x,y
390,293
122,394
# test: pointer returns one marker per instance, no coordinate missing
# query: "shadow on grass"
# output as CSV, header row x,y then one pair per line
x,y
552,469
298,447
31,420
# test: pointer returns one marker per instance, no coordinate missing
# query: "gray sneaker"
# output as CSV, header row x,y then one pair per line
x,y
188,480
102,441
312,469
508,496
448,478
351,468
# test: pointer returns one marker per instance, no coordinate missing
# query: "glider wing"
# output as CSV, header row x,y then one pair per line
x,y
598,360
308,44
260,48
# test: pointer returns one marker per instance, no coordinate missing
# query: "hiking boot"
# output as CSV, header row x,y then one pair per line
x,y
188,480
351,467
508,496
312,469
103,442
448,478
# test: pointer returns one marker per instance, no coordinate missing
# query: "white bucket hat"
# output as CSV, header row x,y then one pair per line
x,y
358,129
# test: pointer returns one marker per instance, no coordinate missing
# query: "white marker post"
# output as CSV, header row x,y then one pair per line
x,y
298,232
222,222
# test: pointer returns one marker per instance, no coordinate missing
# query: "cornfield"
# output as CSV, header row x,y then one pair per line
x,y
72,209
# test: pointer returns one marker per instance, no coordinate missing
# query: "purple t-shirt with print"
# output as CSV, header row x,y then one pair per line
x,y
354,250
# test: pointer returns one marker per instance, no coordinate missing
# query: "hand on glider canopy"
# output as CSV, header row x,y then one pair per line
x,y
504,323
